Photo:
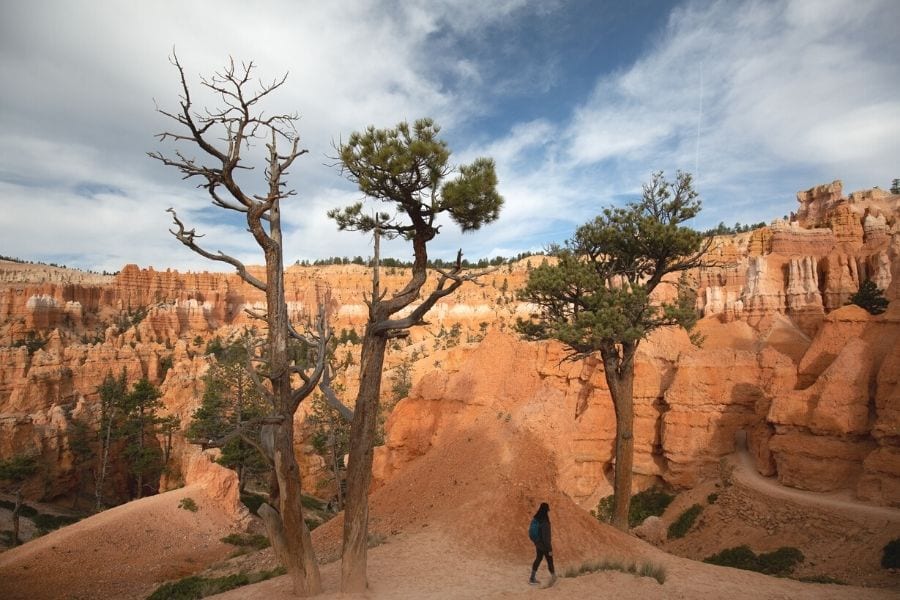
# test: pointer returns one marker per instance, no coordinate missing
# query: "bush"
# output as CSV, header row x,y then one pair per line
x,y
822,579
684,522
711,499
311,503
779,562
252,502
194,587
890,556
247,540
47,523
24,510
649,503
188,504
739,557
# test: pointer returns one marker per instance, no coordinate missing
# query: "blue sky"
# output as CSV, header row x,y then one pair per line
x,y
578,102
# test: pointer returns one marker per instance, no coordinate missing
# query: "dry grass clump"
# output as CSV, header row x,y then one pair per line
x,y
646,569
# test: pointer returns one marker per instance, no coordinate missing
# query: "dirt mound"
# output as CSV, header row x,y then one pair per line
x,y
122,553
480,485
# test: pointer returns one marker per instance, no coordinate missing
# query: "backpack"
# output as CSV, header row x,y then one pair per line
x,y
534,531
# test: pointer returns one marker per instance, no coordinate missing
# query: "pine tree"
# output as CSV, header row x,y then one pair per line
x,y
139,428
598,298
112,392
407,168
14,472
870,297
229,416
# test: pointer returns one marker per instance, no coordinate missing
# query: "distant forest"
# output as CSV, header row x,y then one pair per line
x,y
720,229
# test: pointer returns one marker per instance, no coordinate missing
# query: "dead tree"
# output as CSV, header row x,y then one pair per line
x,y
406,168
222,134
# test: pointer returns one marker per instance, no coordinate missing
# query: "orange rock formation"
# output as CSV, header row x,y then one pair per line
x,y
813,384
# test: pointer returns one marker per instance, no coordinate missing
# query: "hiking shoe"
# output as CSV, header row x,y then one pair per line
x,y
533,582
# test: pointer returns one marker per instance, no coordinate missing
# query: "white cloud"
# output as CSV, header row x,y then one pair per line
x,y
789,91
793,93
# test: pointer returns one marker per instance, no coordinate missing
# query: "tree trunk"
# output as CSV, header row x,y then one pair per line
x,y
104,461
15,517
336,469
359,469
140,474
620,378
299,559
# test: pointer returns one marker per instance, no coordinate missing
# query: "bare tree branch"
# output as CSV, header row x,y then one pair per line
x,y
186,237
331,398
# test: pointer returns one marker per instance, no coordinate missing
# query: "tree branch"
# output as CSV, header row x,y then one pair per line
x,y
331,398
187,238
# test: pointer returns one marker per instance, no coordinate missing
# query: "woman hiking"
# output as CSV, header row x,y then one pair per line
x,y
539,532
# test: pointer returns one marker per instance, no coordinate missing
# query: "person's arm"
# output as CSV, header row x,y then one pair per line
x,y
545,537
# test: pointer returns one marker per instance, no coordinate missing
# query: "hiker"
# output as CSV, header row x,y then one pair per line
x,y
539,533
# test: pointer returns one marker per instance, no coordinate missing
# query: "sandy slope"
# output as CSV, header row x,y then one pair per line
x,y
430,566
455,521
124,552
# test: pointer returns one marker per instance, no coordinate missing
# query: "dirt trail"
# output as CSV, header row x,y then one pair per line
x,y
433,565
747,474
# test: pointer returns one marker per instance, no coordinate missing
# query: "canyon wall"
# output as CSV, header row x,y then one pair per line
x,y
812,383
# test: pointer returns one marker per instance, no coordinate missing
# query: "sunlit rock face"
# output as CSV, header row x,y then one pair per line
x,y
811,383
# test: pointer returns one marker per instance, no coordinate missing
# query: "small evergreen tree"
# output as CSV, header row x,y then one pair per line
x,y
895,186
229,415
112,392
139,428
870,297
14,472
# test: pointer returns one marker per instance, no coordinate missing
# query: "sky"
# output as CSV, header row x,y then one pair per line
x,y
577,102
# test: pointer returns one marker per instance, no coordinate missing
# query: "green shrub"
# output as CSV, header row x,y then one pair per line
x,y
739,557
24,510
711,499
247,540
604,507
252,502
779,562
684,522
194,587
50,522
43,522
311,503
822,579
652,502
649,503
890,556
188,504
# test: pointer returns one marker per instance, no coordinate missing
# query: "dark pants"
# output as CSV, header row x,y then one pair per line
x,y
537,560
